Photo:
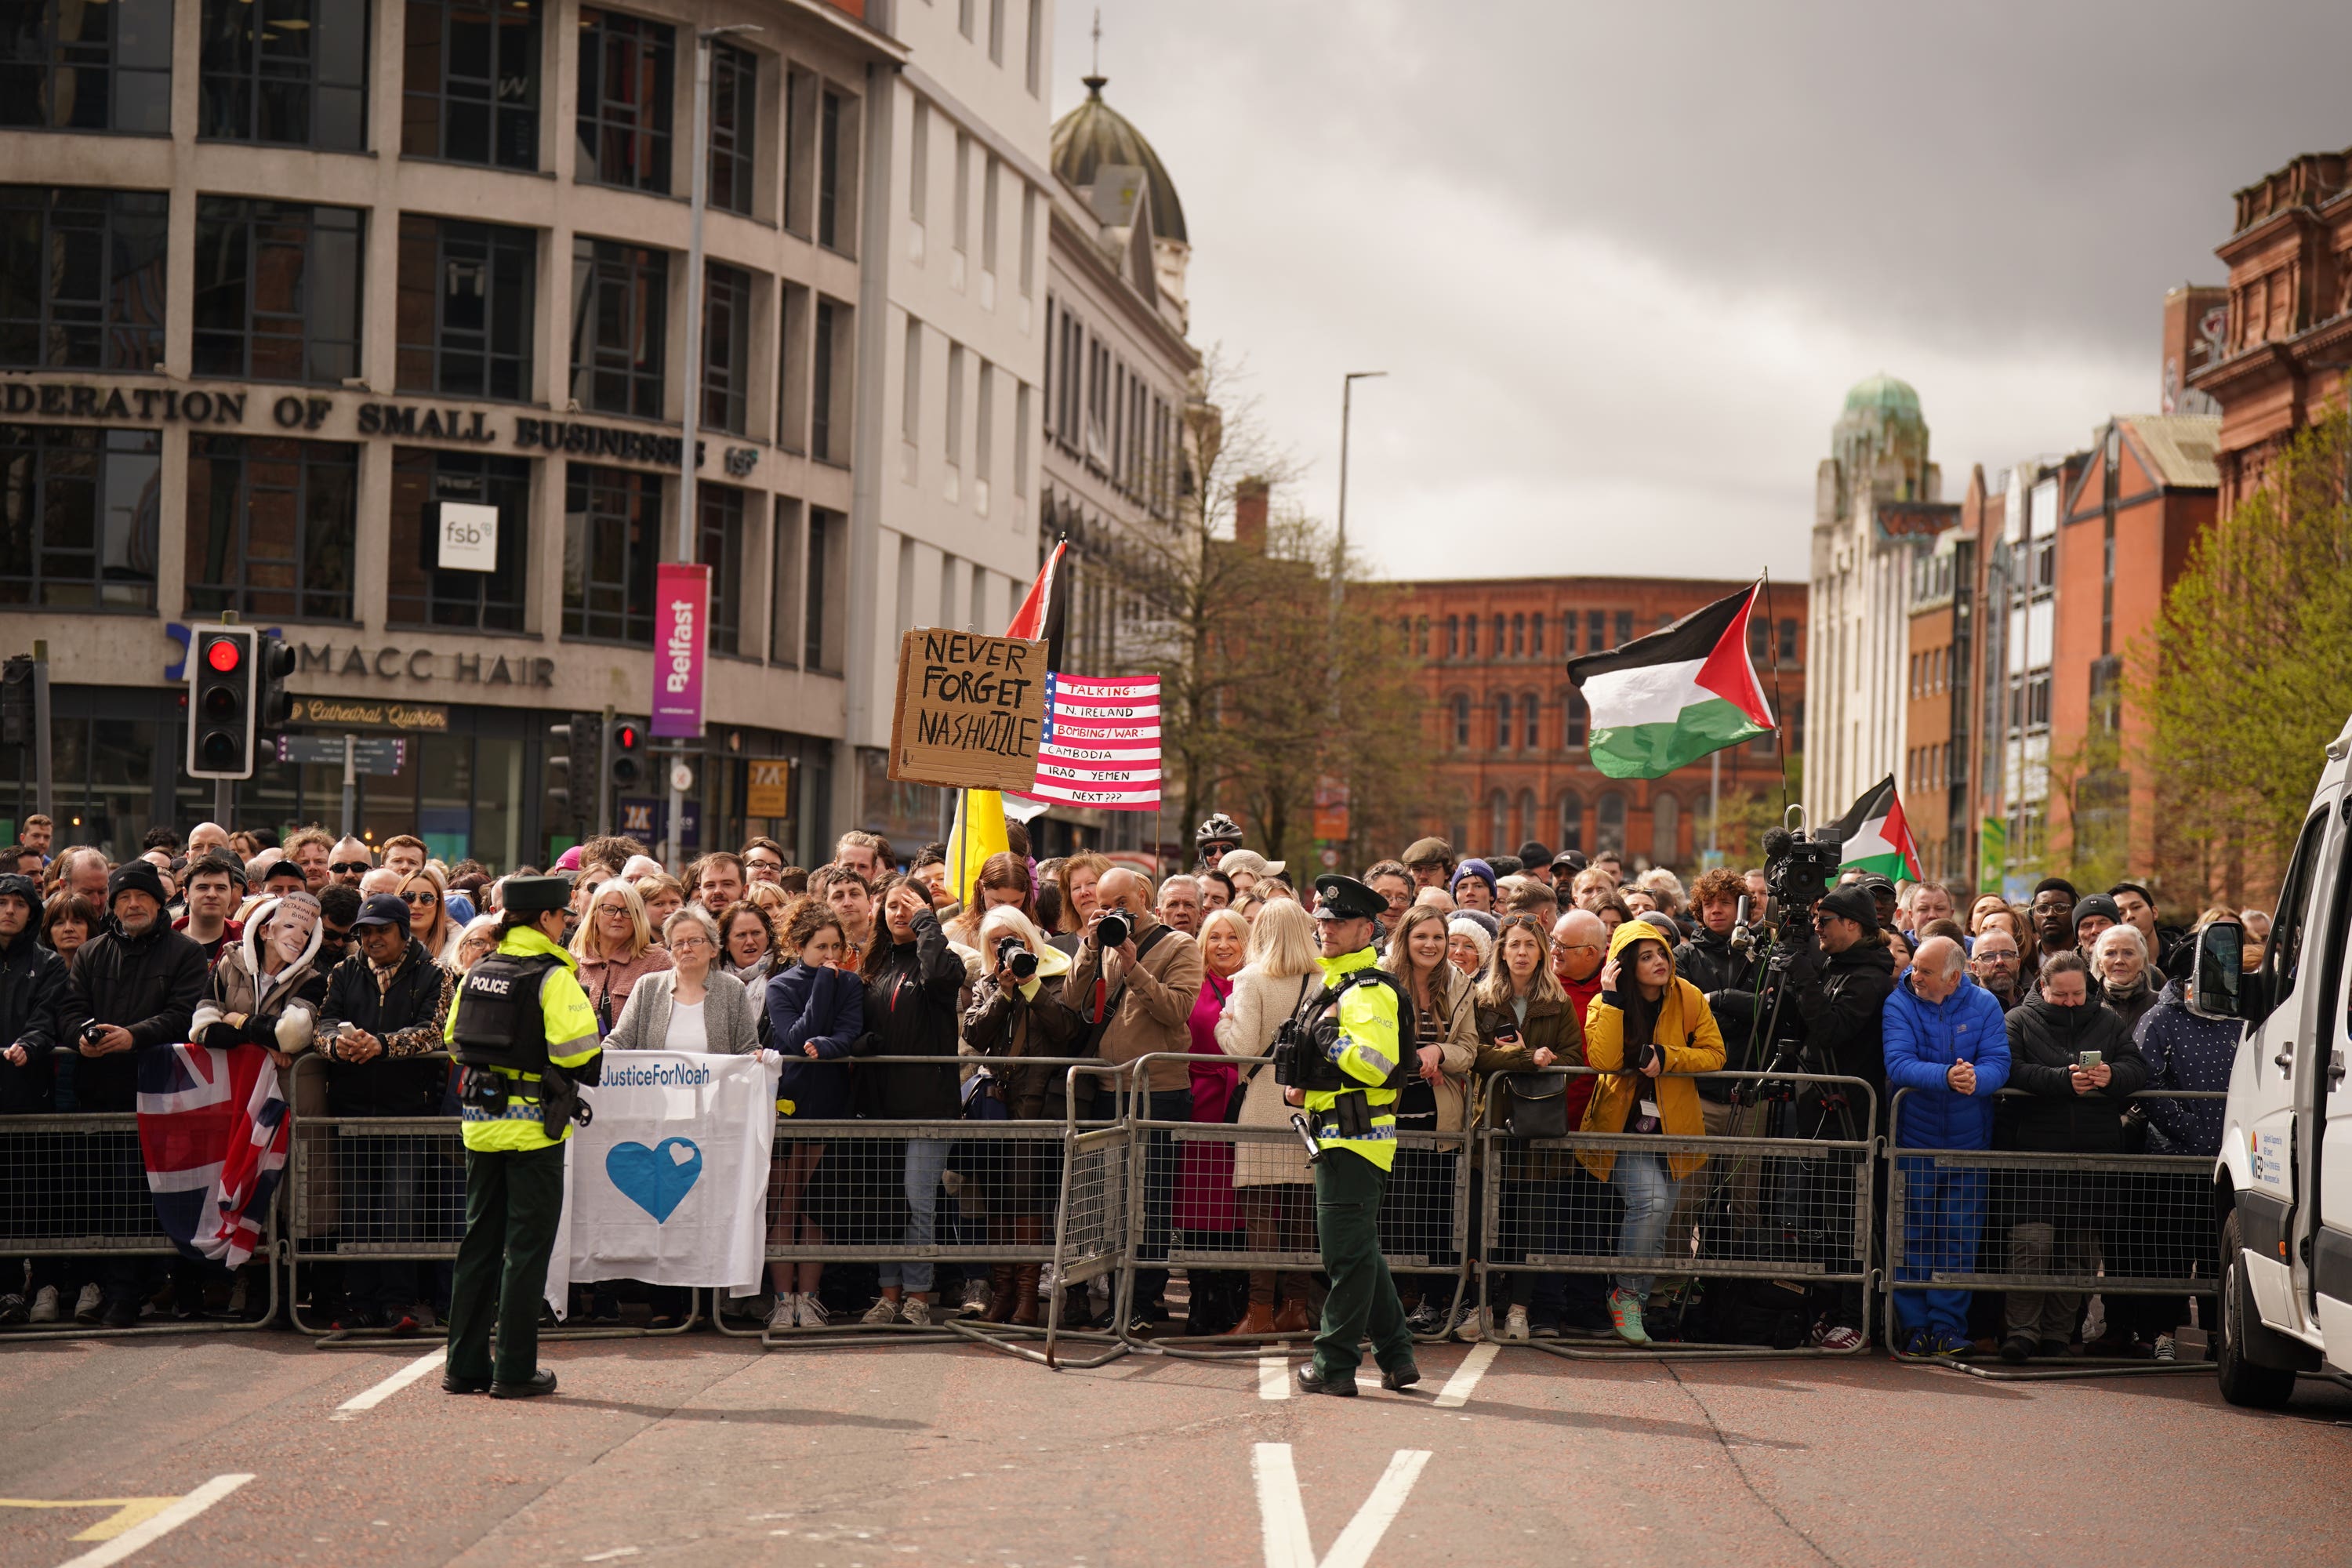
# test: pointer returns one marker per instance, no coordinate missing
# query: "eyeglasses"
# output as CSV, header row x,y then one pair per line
x,y
688,943
352,867
335,936
420,897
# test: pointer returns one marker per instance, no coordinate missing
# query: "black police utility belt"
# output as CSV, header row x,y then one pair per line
x,y
500,1026
1302,1051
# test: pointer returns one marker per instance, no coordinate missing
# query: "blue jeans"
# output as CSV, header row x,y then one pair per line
x,y
927,1160
1160,1165
1642,1180
1943,1216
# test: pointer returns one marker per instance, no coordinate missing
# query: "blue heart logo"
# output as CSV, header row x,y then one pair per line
x,y
656,1179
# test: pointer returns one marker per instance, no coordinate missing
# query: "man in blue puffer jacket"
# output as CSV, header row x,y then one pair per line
x,y
1946,1044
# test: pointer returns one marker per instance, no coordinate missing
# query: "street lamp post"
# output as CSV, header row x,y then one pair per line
x,y
682,550
1339,552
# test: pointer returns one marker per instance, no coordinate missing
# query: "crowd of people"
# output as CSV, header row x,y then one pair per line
x,y
348,950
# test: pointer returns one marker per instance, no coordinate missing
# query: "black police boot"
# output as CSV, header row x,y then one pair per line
x,y
452,1384
1313,1381
1397,1379
542,1382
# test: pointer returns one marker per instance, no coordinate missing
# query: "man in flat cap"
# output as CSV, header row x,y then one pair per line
x,y
524,1033
1352,1029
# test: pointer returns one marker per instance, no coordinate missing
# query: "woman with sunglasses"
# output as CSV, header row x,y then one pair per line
x,y
428,915
1526,1026
616,947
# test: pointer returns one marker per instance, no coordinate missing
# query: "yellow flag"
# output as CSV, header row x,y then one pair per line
x,y
979,833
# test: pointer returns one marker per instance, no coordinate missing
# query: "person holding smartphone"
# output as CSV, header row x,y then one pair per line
x,y
2079,1063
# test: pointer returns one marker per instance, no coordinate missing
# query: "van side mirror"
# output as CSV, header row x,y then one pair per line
x,y
2213,983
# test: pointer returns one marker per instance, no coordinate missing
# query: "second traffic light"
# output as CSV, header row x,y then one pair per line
x,y
574,769
624,758
273,705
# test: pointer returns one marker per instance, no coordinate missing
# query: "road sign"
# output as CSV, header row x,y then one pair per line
x,y
370,754
1331,858
681,778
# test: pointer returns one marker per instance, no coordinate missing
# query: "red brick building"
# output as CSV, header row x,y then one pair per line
x,y
1511,733
2289,342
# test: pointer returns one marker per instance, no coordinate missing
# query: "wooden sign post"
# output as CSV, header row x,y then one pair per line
x,y
970,710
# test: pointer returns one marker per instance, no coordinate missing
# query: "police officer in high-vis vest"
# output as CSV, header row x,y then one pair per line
x,y
525,1038
1346,1070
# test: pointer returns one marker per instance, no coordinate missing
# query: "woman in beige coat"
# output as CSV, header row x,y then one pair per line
x,y
1419,1215
1271,1184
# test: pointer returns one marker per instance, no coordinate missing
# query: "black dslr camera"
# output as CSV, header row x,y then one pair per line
x,y
1014,954
1113,931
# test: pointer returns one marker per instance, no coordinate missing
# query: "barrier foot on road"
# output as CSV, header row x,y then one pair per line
x,y
1005,1337
2051,1369
855,1333
1679,1349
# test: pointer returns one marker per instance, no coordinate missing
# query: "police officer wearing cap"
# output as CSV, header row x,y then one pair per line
x,y
525,1035
1347,1038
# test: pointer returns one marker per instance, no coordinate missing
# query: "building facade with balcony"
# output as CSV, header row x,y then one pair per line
x,y
284,279
1510,734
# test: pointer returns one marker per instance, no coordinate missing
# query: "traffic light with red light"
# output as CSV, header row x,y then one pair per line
x,y
222,682
624,755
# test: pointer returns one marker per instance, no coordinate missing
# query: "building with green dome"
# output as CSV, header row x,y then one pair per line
x,y
1877,503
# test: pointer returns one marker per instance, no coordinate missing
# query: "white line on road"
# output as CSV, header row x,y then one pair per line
x,y
162,1524
349,1408
1283,1511
1273,1377
1456,1392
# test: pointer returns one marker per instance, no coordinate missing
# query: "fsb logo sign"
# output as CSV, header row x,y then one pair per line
x,y
470,537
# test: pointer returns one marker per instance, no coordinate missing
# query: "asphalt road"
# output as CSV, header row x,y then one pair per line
x,y
704,1450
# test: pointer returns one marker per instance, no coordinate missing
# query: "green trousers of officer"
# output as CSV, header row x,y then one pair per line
x,y
1363,1300
513,1204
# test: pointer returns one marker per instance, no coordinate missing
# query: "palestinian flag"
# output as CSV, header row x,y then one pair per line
x,y
1669,699
1875,837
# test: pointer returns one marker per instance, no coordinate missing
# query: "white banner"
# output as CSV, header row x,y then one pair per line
x,y
669,1182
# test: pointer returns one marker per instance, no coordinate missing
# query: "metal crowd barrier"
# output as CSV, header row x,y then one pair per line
x,y
1217,1195
365,1191
1789,1205
76,1189
2021,1221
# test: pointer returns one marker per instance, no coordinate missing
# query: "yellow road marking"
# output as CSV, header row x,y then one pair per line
x,y
129,1511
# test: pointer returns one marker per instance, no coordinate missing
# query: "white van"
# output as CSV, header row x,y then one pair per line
x,y
2282,1182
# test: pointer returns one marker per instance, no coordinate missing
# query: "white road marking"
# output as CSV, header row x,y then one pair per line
x,y
349,1408
149,1531
1283,1511
1273,1377
1456,1392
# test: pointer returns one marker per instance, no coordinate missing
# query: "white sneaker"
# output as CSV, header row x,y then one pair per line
x,y
884,1311
1515,1327
787,1312
812,1314
91,1305
917,1312
2166,1349
44,1305
1474,1325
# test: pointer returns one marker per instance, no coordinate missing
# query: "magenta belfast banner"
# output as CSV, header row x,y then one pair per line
x,y
681,616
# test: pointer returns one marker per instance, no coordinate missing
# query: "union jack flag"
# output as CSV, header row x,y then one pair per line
x,y
212,1134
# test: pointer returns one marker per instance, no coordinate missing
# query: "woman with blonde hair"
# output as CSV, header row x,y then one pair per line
x,y
429,920
1444,1047
1011,1017
1526,1026
615,946
1272,1187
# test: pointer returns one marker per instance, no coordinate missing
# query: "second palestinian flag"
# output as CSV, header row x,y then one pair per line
x,y
1874,837
1669,699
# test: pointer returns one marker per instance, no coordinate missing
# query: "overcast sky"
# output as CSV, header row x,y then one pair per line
x,y
1622,262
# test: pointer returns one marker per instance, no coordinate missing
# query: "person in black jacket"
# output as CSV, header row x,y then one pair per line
x,y
380,1030
2078,1062
32,984
914,983
131,987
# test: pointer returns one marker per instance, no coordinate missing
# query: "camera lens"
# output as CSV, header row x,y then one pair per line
x,y
1023,963
1113,931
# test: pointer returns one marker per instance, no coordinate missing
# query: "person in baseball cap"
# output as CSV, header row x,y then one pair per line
x,y
382,910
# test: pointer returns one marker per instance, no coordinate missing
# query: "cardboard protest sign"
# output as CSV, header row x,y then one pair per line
x,y
970,710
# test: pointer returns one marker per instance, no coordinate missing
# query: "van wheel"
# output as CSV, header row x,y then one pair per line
x,y
2243,1381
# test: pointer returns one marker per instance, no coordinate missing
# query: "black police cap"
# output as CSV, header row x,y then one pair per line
x,y
1347,898
535,895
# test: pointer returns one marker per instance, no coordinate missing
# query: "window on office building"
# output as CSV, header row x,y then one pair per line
x,y
418,592
831,352
824,630
1624,628
1461,722
277,291
1578,721
463,308
627,69
726,348
720,542
1596,631
734,126
1572,823
81,277
1531,724
67,65
612,537
469,82
78,509
1610,823
1502,720
292,72
836,171
273,527
620,308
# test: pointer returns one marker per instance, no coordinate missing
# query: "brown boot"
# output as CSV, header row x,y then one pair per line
x,y
1293,1318
1258,1319
1025,1294
1000,1295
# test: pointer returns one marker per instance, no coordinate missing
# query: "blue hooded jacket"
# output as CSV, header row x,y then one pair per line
x,y
1923,1040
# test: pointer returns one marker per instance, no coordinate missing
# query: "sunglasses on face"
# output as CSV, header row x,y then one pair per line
x,y
352,867
420,897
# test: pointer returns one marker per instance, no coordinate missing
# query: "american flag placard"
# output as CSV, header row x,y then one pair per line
x,y
1101,745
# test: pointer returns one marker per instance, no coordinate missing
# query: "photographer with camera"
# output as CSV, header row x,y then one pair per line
x,y
1133,983
1342,1058
1017,1011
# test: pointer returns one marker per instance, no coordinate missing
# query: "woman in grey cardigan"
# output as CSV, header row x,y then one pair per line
x,y
694,1006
